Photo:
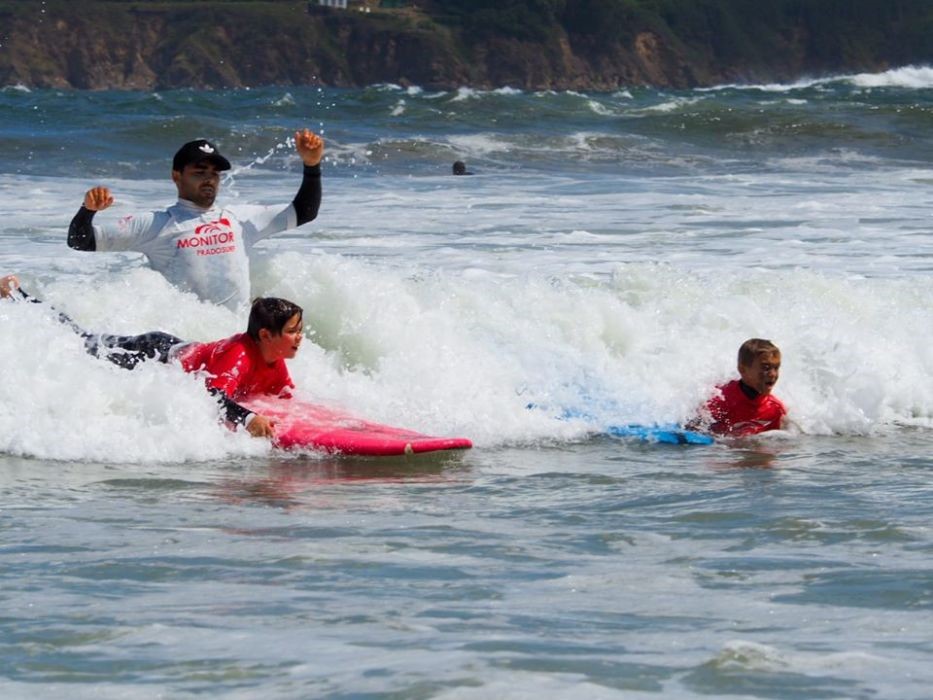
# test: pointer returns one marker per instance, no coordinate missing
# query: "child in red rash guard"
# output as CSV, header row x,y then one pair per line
x,y
745,406
249,364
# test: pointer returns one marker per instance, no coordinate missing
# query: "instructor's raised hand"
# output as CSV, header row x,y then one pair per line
x,y
97,198
310,146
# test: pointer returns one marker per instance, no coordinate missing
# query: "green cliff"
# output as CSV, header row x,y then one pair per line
x,y
535,44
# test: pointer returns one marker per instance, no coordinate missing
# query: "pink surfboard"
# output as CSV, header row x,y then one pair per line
x,y
301,425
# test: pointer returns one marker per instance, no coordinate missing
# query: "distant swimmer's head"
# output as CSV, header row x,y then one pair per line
x,y
759,364
460,168
277,327
197,151
196,172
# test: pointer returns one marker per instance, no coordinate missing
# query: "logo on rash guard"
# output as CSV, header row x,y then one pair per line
x,y
214,233
219,226
124,223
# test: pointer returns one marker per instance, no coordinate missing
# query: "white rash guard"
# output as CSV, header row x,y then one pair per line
x,y
202,251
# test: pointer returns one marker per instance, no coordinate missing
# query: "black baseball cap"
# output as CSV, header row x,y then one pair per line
x,y
195,152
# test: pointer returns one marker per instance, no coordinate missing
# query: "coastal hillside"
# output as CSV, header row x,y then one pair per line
x,y
532,44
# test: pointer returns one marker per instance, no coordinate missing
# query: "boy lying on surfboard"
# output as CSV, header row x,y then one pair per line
x,y
239,367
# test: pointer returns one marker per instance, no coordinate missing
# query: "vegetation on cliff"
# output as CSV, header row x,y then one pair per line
x,y
594,44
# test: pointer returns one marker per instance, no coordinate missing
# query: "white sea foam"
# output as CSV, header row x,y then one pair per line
x,y
915,77
450,304
465,93
599,108
671,105
800,84
461,352
468,93
743,655
285,100
478,145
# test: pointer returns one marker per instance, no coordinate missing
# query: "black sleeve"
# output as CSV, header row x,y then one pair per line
x,y
233,412
81,231
308,199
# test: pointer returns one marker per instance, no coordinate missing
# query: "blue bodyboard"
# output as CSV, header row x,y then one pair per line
x,y
668,434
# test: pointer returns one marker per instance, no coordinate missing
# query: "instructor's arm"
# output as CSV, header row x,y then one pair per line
x,y
310,147
81,230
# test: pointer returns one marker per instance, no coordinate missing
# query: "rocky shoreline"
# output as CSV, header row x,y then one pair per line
x,y
100,44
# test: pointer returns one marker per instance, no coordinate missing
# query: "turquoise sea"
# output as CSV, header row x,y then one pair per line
x,y
609,254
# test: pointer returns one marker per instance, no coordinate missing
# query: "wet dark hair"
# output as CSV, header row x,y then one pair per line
x,y
753,347
272,314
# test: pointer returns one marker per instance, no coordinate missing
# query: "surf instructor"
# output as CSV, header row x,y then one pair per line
x,y
198,246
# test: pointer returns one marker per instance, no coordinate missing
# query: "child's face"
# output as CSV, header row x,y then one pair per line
x,y
285,345
762,374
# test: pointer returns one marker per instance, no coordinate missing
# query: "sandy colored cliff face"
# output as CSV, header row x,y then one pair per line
x,y
646,49
213,45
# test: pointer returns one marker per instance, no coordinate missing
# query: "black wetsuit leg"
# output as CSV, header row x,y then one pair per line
x,y
127,351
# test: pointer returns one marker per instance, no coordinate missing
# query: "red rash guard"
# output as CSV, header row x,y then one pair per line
x,y
734,413
236,368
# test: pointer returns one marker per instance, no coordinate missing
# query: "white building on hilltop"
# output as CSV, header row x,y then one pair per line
x,y
360,5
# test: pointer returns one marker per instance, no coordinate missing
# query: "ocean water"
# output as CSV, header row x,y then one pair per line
x,y
609,253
